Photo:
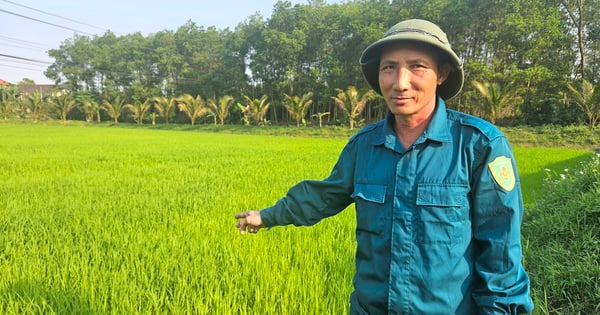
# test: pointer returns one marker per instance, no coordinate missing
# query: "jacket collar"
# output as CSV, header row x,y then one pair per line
x,y
437,130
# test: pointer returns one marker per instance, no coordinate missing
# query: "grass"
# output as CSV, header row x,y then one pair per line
x,y
107,220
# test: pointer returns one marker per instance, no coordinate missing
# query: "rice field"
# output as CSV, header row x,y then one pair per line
x,y
109,220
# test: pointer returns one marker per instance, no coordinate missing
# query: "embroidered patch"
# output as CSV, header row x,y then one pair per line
x,y
503,173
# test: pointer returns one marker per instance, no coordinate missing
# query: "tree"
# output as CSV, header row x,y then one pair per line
x,y
139,110
254,110
64,103
220,110
588,100
164,106
114,109
298,106
34,105
320,117
8,100
352,102
193,108
496,97
91,108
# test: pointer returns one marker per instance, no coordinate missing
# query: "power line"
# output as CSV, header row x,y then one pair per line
x,y
30,63
26,59
17,45
55,15
17,40
45,22
18,67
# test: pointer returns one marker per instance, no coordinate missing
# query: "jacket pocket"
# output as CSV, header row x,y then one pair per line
x,y
370,201
442,208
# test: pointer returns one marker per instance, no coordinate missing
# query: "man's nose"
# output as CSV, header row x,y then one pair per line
x,y
403,79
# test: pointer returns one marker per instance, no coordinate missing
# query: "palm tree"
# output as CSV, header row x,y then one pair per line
x,y
255,109
7,102
139,110
194,108
65,104
34,105
91,109
320,117
496,97
352,102
220,109
114,109
587,101
164,106
298,106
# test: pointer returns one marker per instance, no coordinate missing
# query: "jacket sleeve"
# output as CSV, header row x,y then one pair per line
x,y
309,201
497,213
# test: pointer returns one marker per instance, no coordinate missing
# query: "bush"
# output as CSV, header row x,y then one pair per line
x,y
562,242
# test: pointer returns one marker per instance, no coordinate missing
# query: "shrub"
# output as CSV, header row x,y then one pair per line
x,y
562,242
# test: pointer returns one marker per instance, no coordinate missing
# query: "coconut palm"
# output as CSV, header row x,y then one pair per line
x,y
164,106
139,110
220,110
64,104
320,117
298,106
34,105
587,101
352,102
91,108
194,108
496,97
114,109
7,102
255,109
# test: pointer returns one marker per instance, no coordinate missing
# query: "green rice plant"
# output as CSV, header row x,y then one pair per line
x,y
123,220
562,235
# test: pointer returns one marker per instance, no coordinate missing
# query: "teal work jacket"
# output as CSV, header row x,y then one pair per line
x,y
437,224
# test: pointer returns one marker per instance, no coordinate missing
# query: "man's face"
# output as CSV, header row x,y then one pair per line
x,y
408,78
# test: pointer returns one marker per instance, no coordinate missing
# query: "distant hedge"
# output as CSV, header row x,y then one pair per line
x,y
561,235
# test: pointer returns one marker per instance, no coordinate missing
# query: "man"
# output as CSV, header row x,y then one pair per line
x,y
438,200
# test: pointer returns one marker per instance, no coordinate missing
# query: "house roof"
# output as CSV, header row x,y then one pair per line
x,y
31,88
2,82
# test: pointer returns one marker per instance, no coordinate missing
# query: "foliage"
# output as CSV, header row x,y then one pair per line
x,y
352,102
8,101
139,110
298,106
588,100
538,46
164,106
64,104
496,97
34,105
220,109
192,107
255,110
562,241
114,108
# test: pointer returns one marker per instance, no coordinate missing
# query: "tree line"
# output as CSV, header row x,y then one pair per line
x,y
525,61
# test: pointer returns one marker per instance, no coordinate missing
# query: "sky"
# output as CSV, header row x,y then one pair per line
x,y
27,33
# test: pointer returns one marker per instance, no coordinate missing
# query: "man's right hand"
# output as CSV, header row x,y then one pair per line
x,y
249,221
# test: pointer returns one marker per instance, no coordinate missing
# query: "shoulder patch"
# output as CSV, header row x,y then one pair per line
x,y
503,173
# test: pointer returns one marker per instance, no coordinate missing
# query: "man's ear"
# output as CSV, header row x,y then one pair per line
x,y
443,73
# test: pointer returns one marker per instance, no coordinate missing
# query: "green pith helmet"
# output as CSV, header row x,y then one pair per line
x,y
416,31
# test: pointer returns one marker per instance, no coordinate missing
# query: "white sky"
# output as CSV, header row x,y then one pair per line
x,y
25,38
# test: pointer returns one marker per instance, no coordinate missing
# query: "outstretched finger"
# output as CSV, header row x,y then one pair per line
x,y
242,215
